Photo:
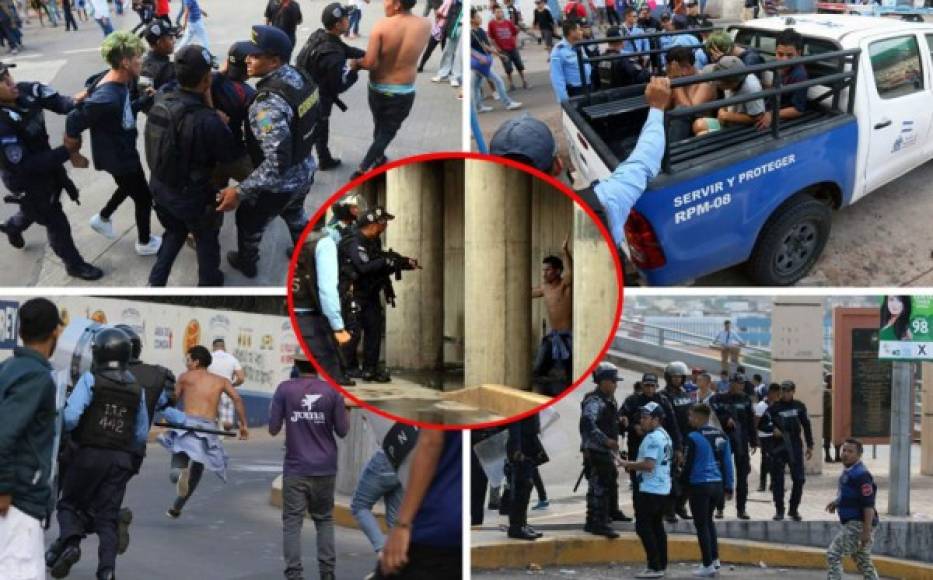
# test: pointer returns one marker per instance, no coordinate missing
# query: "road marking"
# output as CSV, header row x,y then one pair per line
x,y
42,72
19,57
81,50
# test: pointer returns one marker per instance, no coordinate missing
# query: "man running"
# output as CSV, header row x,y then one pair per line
x,y
556,288
199,392
395,44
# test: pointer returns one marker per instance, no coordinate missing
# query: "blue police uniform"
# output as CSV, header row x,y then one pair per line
x,y
857,492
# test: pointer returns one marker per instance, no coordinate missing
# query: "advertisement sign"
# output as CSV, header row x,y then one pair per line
x,y
906,328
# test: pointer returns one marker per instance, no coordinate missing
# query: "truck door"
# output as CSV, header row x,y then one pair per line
x,y
898,108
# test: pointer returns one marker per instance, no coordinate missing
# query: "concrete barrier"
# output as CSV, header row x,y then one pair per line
x,y
628,347
343,515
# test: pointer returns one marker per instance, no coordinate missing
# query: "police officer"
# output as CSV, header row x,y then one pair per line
x,y
107,416
599,434
324,58
786,418
524,453
737,416
231,94
34,171
364,272
185,141
675,379
157,64
317,302
282,121
630,414
855,505
620,71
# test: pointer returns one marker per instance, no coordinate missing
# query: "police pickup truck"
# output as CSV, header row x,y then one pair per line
x,y
765,198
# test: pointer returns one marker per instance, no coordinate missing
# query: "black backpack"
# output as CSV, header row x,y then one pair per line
x,y
169,162
317,45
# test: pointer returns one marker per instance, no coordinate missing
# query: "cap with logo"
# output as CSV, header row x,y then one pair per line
x,y
157,30
236,56
526,136
334,13
649,378
270,40
376,215
193,58
653,409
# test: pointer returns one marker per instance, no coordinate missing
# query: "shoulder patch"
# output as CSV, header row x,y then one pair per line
x,y
264,121
867,489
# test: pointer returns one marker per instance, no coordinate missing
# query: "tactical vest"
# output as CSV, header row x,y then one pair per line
x,y
318,44
304,284
681,403
152,379
169,140
28,122
109,422
306,108
154,67
608,419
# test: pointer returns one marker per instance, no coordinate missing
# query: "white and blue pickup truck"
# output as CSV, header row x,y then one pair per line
x,y
765,198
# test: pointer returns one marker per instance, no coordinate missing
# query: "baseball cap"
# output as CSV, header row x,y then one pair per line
x,y
649,378
652,409
606,372
350,200
270,40
334,13
376,215
236,56
39,316
526,136
730,63
5,67
193,58
157,30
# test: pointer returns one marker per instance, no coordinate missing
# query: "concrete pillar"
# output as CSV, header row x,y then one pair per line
x,y
551,222
372,191
415,327
453,261
797,355
497,250
926,422
353,451
595,292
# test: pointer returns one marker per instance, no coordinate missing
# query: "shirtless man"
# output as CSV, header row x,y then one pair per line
x,y
199,393
554,354
395,44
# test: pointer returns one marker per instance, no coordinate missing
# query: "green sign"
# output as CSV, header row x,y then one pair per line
x,y
906,328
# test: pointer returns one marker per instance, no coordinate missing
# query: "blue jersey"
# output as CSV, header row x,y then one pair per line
x,y
857,491
656,446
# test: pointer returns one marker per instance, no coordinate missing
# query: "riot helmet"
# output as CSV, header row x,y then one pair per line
x,y
135,340
111,349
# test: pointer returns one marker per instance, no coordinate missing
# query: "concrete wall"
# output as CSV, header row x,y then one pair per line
x,y
551,222
454,274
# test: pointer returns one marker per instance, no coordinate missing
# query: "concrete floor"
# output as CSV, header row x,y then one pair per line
x,y
675,570
65,60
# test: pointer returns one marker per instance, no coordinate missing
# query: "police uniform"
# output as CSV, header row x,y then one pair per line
x,y
787,450
324,59
620,72
106,414
742,435
157,67
232,95
524,453
185,141
680,402
599,424
631,408
857,491
32,169
282,122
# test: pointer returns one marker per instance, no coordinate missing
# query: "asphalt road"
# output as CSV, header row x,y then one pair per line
x,y
66,60
675,570
227,531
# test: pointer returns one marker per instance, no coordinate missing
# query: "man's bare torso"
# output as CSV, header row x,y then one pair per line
x,y
199,392
403,38
558,299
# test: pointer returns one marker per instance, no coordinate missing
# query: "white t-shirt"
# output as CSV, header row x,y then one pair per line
x,y
100,8
224,364
760,408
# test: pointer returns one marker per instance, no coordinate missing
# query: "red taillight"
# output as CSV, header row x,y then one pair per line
x,y
642,243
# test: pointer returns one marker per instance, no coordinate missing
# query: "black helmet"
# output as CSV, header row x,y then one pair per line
x,y
111,349
135,340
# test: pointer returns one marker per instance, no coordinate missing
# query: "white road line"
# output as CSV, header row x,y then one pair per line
x,y
80,50
19,57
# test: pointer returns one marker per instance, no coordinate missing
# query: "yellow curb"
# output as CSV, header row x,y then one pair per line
x,y
343,516
577,550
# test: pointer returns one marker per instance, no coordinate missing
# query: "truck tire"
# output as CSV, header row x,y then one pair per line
x,y
791,241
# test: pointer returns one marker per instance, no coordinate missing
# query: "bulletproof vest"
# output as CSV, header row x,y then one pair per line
x,y
716,438
109,422
608,418
28,122
362,285
320,43
304,284
306,110
152,379
605,74
681,402
786,417
154,67
169,140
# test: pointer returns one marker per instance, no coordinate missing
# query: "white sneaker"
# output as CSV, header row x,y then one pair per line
x,y
150,249
649,573
513,105
103,227
495,96
705,571
716,564
454,83
438,79
483,109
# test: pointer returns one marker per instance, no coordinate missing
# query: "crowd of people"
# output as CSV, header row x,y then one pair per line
x,y
71,451
205,128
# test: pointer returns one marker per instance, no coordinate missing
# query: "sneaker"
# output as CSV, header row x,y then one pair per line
x,y
483,109
495,96
438,79
173,513
454,83
123,530
103,227
541,505
717,564
513,105
705,571
181,487
151,248
649,573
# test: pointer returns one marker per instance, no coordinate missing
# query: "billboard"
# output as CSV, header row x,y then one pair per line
x,y
906,328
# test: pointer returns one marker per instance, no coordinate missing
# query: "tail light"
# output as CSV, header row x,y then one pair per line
x,y
643,243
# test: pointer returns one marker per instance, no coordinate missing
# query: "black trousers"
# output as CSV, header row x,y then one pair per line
x,y
649,525
92,492
478,484
46,210
253,217
135,186
602,494
70,23
522,481
432,44
429,563
206,229
320,339
765,465
703,498
780,459
539,485
322,131
389,112
368,328
195,471
743,467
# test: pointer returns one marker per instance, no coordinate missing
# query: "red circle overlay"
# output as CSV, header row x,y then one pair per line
x,y
320,214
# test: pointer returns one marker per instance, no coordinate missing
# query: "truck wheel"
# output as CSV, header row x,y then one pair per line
x,y
791,241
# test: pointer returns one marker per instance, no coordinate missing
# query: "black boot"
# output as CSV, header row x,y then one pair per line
x,y
123,530
619,516
14,236
522,534
67,558
248,270
376,376
85,272
106,574
328,163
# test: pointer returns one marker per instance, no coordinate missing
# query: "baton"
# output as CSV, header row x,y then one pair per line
x,y
198,430
579,479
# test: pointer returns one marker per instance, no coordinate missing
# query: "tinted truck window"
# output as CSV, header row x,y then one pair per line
x,y
896,65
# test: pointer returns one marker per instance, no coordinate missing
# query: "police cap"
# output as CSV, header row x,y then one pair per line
x,y
157,30
376,215
194,60
334,13
270,40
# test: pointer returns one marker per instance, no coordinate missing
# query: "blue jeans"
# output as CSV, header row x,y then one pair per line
x,y
478,77
378,481
355,18
105,25
195,33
